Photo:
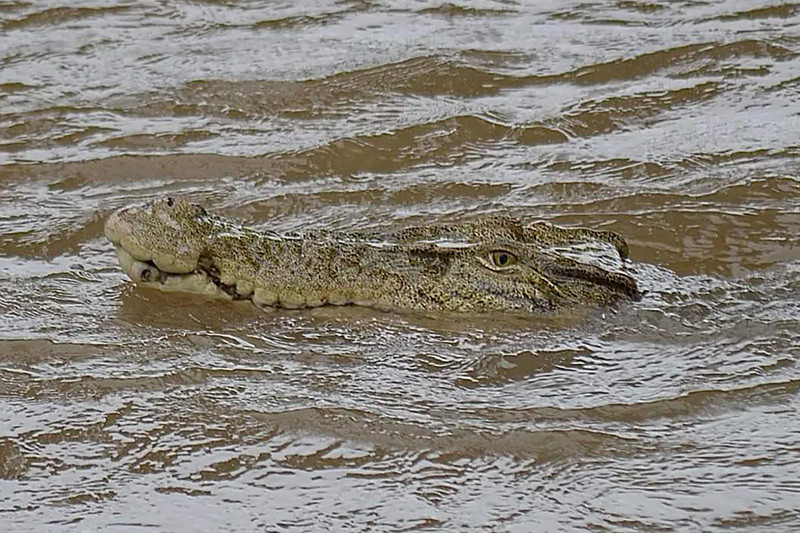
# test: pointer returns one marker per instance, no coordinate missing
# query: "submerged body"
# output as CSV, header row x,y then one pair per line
x,y
490,264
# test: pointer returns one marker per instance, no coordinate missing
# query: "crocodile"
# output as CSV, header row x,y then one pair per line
x,y
495,263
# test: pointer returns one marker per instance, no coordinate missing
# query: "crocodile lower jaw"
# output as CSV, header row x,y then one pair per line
x,y
147,274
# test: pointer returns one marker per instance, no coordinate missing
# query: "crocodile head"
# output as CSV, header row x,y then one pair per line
x,y
170,233
494,263
159,244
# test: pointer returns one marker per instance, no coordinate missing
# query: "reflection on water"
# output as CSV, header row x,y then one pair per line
x,y
673,123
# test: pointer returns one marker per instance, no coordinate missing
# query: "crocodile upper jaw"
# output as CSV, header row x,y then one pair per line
x,y
120,232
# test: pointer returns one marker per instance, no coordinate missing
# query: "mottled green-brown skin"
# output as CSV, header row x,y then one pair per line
x,y
489,264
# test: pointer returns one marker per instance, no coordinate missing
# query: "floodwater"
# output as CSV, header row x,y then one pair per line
x,y
675,123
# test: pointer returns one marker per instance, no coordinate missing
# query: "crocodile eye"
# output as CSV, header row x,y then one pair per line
x,y
503,259
170,201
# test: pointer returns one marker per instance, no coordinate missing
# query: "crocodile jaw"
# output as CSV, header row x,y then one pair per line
x,y
148,274
119,231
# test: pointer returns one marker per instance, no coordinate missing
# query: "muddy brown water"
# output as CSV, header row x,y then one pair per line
x,y
674,123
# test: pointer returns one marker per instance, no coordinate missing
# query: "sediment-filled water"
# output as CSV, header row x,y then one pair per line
x,y
676,124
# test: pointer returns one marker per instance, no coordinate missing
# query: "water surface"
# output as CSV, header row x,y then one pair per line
x,y
673,123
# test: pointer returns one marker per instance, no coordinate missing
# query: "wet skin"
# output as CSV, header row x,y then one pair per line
x,y
488,264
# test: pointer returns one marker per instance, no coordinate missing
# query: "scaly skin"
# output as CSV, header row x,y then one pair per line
x,y
490,264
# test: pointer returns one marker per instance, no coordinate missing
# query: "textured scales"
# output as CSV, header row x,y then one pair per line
x,y
489,264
